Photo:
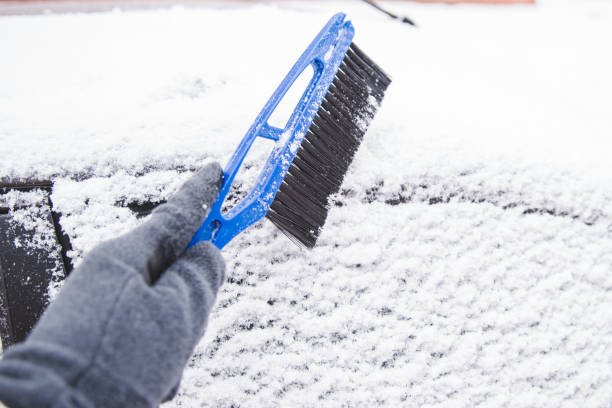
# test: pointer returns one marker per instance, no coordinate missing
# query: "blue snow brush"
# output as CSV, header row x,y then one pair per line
x,y
313,151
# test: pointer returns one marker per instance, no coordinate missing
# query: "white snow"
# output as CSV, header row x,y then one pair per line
x,y
469,259
30,213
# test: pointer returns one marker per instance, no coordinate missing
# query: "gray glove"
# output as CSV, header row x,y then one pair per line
x,y
128,318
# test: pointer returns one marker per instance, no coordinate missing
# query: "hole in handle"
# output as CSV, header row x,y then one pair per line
x,y
281,115
248,173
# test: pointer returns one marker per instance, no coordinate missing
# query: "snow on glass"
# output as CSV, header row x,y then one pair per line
x,y
466,259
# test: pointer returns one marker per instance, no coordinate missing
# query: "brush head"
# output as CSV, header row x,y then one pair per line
x,y
301,204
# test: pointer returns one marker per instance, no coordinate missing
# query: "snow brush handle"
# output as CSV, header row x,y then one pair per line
x,y
325,54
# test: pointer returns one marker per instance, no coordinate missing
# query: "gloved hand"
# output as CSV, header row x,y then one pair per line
x,y
112,339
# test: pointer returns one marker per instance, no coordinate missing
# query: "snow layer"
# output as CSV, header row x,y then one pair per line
x,y
29,212
467,260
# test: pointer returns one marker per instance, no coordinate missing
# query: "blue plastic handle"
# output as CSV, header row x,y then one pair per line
x,y
325,54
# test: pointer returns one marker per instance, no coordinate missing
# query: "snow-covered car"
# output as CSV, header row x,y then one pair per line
x,y
467,258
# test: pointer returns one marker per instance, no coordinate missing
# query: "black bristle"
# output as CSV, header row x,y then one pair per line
x,y
300,207
371,64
